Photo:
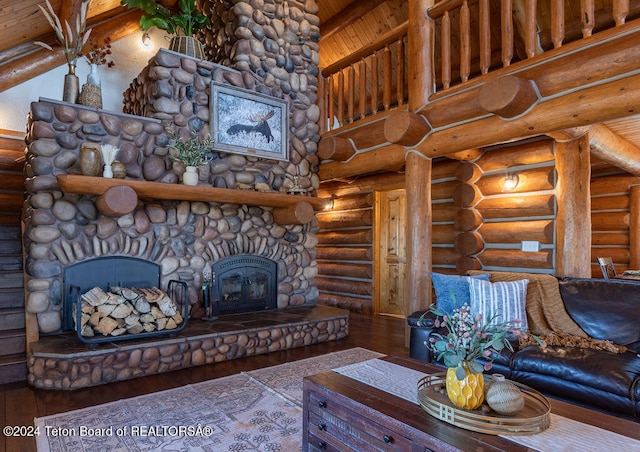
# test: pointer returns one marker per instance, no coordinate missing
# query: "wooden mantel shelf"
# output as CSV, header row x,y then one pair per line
x,y
156,190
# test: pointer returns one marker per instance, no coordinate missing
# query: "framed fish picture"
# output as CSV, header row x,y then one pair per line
x,y
250,123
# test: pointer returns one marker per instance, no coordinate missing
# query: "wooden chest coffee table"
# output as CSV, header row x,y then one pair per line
x,y
342,414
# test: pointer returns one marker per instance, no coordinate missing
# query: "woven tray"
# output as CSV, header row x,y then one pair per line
x,y
533,418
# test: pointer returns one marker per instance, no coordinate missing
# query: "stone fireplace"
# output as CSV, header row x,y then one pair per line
x,y
66,223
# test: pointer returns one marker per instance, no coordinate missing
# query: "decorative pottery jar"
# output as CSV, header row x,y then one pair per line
x,y
467,393
503,396
90,161
119,169
190,176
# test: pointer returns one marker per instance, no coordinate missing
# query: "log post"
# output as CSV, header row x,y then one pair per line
x,y
418,231
507,96
573,220
418,175
300,213
117,201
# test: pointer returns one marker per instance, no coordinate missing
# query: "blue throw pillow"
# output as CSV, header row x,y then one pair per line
x,y
452,291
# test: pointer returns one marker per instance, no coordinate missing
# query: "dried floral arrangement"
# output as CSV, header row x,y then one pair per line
x,y
98,52
71,40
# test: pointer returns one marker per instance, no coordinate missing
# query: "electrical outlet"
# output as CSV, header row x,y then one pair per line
x,y
531,246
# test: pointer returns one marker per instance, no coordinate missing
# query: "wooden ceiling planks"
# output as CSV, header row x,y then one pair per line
x,y
22,22
365,29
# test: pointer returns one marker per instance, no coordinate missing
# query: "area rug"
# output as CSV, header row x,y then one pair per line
x,y
259,410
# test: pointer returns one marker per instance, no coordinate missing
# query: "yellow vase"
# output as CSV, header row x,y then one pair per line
x,y
467,393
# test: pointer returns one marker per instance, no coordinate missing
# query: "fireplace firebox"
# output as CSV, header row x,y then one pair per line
x,y
243,283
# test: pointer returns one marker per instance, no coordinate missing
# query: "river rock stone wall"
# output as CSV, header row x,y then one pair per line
x,y
185,237
267,46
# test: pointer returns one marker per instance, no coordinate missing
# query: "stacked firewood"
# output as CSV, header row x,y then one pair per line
x,y
123,310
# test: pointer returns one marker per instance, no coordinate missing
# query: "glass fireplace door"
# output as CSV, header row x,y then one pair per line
x,y
245,284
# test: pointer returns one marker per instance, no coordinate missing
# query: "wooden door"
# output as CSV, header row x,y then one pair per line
x,y
390,252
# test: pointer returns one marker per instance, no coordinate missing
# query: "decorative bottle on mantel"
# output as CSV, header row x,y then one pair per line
x,y
71,86
91,95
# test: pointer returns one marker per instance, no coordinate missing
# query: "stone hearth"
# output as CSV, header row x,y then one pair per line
x,y
62,362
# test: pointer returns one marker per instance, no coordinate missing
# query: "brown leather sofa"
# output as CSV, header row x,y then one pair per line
x,y
602,372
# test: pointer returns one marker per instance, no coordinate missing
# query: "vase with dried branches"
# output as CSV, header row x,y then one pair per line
x,y
72,40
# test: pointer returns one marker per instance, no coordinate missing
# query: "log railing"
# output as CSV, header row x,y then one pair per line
x,y
369,81
518,21
374,79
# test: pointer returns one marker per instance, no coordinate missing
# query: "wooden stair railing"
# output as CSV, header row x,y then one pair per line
x,y
369,81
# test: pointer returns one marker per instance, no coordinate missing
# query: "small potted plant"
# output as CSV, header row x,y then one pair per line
x,y
192,152
182,21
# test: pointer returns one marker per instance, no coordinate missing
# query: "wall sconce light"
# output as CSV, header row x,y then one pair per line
x,y
146,40
329,204
510,181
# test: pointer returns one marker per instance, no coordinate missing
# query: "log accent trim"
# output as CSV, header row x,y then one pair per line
x,y
299,213
405,128
117,201
508,96
335,148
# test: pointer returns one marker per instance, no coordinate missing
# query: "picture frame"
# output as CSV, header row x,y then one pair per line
x,y
249,123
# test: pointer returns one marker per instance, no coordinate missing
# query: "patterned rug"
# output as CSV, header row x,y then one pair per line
x,y
259,410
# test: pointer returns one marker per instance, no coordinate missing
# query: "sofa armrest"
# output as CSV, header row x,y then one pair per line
x,y
422,324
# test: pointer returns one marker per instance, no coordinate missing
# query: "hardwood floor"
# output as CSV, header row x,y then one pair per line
x,y
22,403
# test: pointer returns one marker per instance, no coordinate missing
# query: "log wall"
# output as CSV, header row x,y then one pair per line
x,y
477,223
614,219
492,220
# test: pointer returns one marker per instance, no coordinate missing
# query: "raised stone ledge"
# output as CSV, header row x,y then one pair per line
x,y
63,362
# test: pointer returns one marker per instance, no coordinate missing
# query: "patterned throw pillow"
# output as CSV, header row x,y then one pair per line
x,y
452,291
506,300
